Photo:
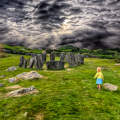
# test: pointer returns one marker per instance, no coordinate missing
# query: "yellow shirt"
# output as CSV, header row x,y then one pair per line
x,y
99,75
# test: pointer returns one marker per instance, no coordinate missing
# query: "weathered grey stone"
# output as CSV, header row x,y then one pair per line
x,y
44,55
81,57
21,61
13,68
1,85
33,54
52,56
25,63
33,75
74,59
2,76
71,60
13,79
36,62
110,87
39,61
62,57
21,91
67,58
55,65
32,62
29,75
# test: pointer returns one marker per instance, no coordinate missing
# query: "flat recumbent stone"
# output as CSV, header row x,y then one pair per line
x,y
55,65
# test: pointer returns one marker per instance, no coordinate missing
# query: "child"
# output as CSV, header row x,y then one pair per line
x,y
99,77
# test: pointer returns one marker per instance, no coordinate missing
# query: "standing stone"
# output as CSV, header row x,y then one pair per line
x,y
36,62
44,56
62,57
25,63
76,59
39,61
21,61
71,60
52,56
33,54
55,65
81,58
67,58
32,62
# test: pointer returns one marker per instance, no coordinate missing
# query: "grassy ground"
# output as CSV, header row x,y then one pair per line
x,y
63,95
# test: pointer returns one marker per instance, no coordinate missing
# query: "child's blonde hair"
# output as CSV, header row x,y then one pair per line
x,y
98,69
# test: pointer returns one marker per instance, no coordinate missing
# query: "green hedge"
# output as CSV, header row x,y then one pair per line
x,y
100,53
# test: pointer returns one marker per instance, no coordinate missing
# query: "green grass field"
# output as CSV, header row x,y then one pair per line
x,y
63,95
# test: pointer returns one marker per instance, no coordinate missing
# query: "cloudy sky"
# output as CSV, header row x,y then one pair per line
x,y
52,23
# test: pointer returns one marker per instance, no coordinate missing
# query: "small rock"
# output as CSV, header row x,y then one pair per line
x,y
1,85
13,79
22,91
13,68
2,76
39,116
110,87
69,69
25,114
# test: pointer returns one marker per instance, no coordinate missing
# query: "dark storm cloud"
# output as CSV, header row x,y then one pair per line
x,y
52,23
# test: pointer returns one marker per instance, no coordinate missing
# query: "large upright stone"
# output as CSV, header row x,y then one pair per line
x,y
74,59
21,61
73,62
32,62
71,59
44,56
55,65
39,61
62,57
81,58
52,56
77,63
25,63
67,58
